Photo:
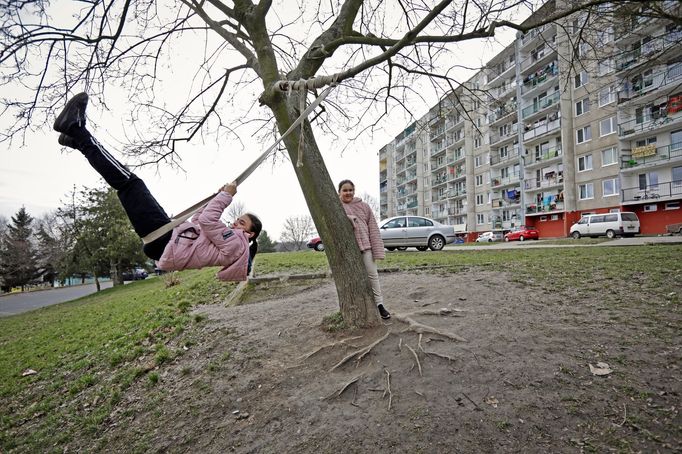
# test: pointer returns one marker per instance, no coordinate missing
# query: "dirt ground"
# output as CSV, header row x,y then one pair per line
x,y
520,382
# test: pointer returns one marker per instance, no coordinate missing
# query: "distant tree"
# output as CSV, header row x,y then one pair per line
x,y
265,244
53,246
3,225
18,262
373,204
105,241
233,211
296,232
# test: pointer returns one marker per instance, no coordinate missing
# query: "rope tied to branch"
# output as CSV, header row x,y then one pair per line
x,y
302,86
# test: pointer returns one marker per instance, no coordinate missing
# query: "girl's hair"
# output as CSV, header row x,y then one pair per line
x,y
256,227
342,182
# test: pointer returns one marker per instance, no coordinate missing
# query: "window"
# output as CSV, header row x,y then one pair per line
x,y
676,140
478,161
607,95
586,191
610,187
585,163
672,205
648,181
582,106
480,219
651,207
479,180
479,199
583,134
418,222
647,141
397,223
604,66
580,79
477,142
607,126
605,36
609,156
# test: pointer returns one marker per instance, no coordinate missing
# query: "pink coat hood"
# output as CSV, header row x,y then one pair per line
x,y
206,241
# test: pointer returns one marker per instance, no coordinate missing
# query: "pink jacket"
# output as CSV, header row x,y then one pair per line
x,y
206,241
365,227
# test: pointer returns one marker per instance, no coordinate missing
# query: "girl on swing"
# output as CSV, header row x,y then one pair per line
x,y
202,241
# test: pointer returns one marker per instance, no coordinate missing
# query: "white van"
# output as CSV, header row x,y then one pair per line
x,y
610,224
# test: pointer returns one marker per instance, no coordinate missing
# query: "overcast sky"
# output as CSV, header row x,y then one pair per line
x,y
41,175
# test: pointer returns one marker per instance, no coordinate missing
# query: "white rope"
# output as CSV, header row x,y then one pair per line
x,y
186,214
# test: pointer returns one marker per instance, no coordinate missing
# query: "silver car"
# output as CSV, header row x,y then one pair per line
x,y
401,232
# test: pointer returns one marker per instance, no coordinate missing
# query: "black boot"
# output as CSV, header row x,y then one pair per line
x,y
67,141
72,117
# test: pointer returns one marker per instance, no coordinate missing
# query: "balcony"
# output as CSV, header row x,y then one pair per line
x,y
644,85
507,133
551,179
499,70
547,155
510,156
537,79
541,130
502,112
455,192
553,207
644,52
652,193
647,122
649,154
505,181
441,179
541,104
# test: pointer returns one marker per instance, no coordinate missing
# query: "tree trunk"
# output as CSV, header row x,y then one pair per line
x,y
116,273
97,282
356,300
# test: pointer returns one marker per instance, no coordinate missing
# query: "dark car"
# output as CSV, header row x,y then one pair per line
x,y
522,233
136,274
316,243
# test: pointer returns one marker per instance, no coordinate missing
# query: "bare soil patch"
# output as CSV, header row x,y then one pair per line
x,y
520,383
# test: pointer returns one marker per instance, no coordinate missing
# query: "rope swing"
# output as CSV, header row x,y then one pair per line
x,y
303,86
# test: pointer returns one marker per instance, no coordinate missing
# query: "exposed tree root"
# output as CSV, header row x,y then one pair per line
x,y
420,328
340,391
333,344
362,352
416,358
388,389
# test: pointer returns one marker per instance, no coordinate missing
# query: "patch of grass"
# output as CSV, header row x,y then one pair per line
x,y
333,322
87,348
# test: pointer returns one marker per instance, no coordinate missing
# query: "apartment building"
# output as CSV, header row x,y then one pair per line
x,y
573,118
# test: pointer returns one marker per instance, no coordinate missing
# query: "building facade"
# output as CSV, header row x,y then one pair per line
x,y
579,117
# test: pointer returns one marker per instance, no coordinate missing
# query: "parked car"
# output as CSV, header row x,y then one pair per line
x,y
488,237
623,223
136,274
401,232
316,243
522,233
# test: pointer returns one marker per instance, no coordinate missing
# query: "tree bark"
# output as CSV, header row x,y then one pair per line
x,y
356,300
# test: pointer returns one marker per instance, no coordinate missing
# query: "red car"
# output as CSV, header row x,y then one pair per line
x,y
316,243
522,233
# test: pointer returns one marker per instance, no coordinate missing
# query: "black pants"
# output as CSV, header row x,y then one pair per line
x,y
144,212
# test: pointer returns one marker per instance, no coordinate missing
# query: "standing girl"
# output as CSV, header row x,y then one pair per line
x,y
367,236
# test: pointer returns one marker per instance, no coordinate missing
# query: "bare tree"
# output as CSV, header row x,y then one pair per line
x,y
377,51
373,204
296,231
236,209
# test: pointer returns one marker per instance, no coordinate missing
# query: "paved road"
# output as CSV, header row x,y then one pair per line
x,y
634,241
17,303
